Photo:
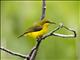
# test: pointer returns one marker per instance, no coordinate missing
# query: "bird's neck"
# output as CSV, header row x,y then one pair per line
x,y
45,26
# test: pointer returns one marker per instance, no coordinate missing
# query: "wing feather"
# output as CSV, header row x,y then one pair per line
x,y
31,29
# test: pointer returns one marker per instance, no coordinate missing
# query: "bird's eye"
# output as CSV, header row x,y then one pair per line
x,y
47,21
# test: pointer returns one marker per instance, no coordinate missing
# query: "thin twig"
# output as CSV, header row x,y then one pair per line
x,y
33,55
43,9
52,33
13,53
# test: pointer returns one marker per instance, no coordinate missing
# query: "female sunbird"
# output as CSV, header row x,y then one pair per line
x,y
38,30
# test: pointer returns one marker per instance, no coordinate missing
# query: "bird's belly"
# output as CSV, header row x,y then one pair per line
x,y
37,34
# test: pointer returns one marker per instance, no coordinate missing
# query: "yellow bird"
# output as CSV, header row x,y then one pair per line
x,y
38,30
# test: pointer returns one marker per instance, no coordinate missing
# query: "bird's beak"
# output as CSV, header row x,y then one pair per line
x,y
52,22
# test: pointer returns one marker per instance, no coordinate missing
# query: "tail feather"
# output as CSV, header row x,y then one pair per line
x,y
22,35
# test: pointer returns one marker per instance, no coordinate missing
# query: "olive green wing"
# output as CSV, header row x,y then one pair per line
x,y
32,29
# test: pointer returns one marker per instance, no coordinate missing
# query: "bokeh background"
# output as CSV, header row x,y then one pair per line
x,y
17,16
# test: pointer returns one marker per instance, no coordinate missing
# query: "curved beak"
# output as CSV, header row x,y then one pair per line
x,y
52,22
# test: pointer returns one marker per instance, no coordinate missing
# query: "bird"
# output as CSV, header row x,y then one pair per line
x,y
37,30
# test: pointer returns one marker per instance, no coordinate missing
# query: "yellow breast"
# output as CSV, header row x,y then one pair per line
x,y
39,33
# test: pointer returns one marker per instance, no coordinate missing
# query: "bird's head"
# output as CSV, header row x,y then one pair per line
x,y
46,22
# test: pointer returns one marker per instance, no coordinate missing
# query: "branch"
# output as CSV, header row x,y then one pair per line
x,y
13,53
43,9
33,52
60,35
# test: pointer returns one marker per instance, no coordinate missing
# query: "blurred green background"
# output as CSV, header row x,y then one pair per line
x,y
17,16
